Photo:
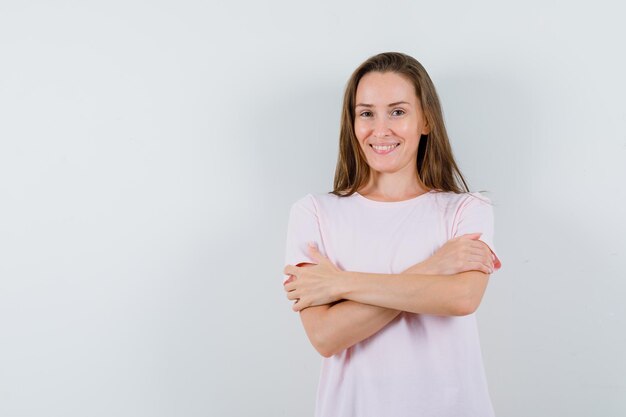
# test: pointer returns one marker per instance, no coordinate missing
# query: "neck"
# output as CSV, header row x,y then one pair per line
x,y
393,186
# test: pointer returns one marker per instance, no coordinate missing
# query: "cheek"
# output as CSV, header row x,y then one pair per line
x,y
361,130
408,126
409,129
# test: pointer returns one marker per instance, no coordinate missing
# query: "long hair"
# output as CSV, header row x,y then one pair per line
x,y
435,164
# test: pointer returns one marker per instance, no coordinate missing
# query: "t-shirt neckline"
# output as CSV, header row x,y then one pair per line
x,y
392,203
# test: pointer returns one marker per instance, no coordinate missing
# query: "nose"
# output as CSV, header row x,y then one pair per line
x,y
381,128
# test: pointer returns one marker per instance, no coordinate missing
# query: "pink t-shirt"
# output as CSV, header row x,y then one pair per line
x,y
418,364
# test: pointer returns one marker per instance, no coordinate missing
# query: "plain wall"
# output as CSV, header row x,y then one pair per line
x,y
150,151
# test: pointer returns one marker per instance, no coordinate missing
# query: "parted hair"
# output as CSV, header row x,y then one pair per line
x,y
435,165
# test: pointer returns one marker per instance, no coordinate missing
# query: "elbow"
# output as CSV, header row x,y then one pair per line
x,y
325,344
468,296
323,347
320,342
320,334
465,307
325,353
465,303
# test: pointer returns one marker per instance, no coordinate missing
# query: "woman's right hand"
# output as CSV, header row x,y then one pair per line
x,y
459,254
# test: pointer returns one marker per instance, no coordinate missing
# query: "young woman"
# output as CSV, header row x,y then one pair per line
x,y
401,257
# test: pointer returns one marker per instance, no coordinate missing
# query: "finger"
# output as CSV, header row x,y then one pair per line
x,y
478,266
480,257
486,249
315,253
482,247
489,261
479,253
472,235
488,264
486,253
290,270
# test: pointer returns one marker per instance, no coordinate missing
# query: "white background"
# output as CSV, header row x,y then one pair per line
x,y
150,151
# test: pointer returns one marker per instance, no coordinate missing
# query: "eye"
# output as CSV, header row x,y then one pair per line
x,y
398,112
365,113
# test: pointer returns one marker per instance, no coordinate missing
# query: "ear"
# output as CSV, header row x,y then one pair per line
x,y
425,127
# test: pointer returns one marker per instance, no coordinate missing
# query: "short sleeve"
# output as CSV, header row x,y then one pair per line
x,y
303,227
475,215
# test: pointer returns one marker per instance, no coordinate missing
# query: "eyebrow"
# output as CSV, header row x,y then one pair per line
x,y
390,105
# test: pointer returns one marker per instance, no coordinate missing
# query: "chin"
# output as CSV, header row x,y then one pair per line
x,y
384,169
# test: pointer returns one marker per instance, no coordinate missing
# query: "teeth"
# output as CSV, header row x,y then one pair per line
x,y
384,148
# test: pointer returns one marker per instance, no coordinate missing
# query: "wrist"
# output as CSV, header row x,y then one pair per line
x,y
342,287
422,268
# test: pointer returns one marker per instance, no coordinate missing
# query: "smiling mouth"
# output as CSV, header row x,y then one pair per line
x,y
383,150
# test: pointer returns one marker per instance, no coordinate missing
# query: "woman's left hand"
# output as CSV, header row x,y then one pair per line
x,y
313,285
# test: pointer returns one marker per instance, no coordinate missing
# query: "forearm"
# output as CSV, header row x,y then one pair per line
x,y
346,323
349,322
416,293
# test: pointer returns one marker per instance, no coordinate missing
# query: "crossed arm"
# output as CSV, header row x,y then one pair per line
x,y
334,327
342,308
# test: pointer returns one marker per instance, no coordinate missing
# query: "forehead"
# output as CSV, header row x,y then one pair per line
x,y
385,87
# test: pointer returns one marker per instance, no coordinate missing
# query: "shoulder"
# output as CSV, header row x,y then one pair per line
x,y
477,197
472,209
317,199
454,206
304,204
455,201
303,201
461,198
313,202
